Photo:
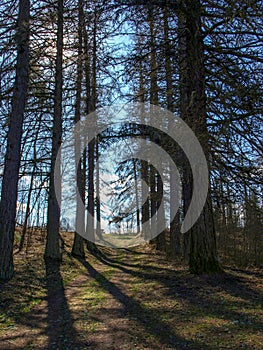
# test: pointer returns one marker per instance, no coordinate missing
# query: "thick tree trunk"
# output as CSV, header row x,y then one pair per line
x,y
12,159
202,243
52,250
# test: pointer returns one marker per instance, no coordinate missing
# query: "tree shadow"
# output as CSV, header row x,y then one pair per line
x,y
145,317
236,287
49,322
60,330
257,274
134,252
193,289
105,259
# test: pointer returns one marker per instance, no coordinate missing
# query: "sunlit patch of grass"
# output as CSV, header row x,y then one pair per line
x,y
108,273
70,269
92,326
93,297
28,306
6,322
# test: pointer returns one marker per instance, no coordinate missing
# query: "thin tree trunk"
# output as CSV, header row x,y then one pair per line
x,y
160,239
91,145
145,218
91,206
224,229
136,197
175,234
52,250
94,99
12,159
153,100
98,214
78,244
28,211
87,70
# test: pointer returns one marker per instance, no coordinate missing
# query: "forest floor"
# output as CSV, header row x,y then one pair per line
x,y
127,299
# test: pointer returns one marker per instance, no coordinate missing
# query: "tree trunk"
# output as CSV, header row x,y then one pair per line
x,y
98,213
202,242
12,159
52,250
30,190
145,217
160,239
78,244
136,197
28,210
153,100
175,234
91,144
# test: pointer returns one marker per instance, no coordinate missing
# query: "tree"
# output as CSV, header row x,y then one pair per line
x,y
91,107
12,159
202,241
78,246
52,250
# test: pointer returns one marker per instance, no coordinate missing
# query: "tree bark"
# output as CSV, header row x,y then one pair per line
x,y
52,250
14,137
78,244
202,241
91,145
28,210
136,196
145,217
98,212
175,234
153,100
160,239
